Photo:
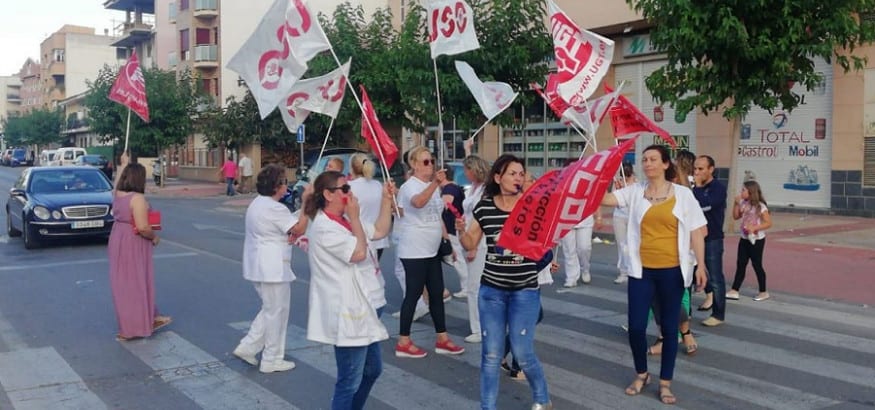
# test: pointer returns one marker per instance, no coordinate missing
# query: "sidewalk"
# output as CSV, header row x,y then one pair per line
x,y
824,256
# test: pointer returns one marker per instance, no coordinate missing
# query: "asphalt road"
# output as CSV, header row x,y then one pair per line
x,y
57,345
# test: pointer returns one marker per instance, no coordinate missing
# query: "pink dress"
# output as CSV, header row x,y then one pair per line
x,y
131,273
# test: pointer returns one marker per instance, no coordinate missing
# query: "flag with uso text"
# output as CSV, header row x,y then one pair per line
x,y
582,57
627,119
129,88
558,201
374,133
450,27
322,94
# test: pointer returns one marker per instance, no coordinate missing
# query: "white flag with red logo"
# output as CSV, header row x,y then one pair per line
x,y
597,108
276,54
383,146
320,94
129,88
450,27
582,57
492,96
558,201
627,119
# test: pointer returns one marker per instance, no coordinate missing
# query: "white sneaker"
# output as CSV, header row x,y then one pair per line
x,y
462,294
244,356
473,338
621,279
570,285
397,314
420,312
277,366
586,278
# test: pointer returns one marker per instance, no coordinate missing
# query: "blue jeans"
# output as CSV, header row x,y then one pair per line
x,y
230,189
512,313
716,281
357,370
667,287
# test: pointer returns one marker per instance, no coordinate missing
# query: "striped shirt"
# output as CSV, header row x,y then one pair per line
x,y
504,269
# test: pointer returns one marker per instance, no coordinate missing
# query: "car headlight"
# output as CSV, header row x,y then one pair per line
x,y
41,212
56,214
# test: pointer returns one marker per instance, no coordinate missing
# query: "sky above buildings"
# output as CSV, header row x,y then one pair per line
x,y
24,24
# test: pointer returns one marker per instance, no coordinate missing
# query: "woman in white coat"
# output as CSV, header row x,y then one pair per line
x,y
267,263
476,170
367,191
347,293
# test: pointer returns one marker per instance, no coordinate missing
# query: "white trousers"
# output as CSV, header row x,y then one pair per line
x,y
621,225
460,264
267,334
576,250
475,271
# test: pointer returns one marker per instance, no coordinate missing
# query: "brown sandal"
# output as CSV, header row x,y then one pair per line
x,y
692,348
665,395
638,384
161,321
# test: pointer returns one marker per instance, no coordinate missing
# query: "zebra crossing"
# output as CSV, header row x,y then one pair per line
x,y
786,353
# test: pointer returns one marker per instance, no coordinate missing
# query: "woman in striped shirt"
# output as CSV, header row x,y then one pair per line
x,y
509,299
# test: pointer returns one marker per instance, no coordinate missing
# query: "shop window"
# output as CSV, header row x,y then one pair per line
x,y
869,161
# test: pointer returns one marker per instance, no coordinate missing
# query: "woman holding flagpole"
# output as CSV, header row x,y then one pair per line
x,y
509,300
664,224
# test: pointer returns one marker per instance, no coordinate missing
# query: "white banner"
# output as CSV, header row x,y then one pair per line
x,y
492,96
582,57
450,27
322,94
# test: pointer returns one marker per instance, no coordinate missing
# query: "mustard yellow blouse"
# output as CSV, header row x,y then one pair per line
x,y
659,237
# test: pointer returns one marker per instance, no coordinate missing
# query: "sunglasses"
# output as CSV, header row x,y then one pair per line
x,y
344,188
428,162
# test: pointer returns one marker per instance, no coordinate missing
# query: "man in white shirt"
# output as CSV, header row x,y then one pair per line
x,y
244,169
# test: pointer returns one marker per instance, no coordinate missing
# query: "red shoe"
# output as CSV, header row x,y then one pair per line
x,y
448,347
409,350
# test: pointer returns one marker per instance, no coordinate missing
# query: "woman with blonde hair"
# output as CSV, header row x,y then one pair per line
x,y
368,191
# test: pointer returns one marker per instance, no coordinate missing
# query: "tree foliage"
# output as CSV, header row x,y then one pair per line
x,y
733,55
173,102
38,127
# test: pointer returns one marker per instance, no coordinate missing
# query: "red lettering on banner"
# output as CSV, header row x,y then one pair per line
x,y
461,17
449,22
297,23
293,99
337,89
573,53
451,18
301,23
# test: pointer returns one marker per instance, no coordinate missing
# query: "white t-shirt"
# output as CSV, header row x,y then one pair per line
x,y
420,229
370,196
471,200
267,255
334,281
246,164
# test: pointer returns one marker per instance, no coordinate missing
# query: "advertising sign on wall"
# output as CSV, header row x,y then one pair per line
x,y
790,153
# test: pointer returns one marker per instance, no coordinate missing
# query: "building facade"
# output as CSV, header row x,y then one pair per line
x,y
10,102
31,91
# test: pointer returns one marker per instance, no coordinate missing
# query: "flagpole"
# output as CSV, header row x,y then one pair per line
x,y
325,141
474,135
127,131
437,86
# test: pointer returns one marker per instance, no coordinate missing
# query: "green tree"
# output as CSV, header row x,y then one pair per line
x,y
173,102
37,127
733,55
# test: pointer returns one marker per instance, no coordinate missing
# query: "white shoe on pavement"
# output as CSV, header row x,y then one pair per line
x,y
397,314
621,279
586,278
244,356
462,294
473,338
277,366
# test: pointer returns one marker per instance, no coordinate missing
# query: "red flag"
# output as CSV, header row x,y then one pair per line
x,y
382,145
627,119
130,88
558,201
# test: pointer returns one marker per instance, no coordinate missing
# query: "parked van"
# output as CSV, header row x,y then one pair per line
x,y
47,157
66,155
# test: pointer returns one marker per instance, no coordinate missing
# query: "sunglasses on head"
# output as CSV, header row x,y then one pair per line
x,y
343,188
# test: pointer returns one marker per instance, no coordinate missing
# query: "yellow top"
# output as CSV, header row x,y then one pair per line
x,y
659,237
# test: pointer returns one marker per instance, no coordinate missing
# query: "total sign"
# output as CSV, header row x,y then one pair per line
x,y
790,154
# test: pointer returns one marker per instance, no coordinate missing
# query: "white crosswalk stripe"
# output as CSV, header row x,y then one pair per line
x,y
37,379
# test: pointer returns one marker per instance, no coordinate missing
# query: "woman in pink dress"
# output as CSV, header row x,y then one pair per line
x,y
131,273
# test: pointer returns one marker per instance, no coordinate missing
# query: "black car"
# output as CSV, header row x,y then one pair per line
x,y
59,202
97,161
311,169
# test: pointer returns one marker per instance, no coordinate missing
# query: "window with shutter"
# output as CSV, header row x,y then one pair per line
x,y
869,161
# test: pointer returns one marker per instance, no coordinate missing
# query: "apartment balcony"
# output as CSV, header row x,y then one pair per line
x,y
56,68
13,98
133,34
206,56
206,8
146,6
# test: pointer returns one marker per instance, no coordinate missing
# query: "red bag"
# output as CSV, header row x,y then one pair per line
x,y
154,220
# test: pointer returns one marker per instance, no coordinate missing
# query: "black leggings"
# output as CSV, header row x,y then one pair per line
x,y
754,253
419,273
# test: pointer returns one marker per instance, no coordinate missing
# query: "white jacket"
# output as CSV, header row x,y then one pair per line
x,y
686,210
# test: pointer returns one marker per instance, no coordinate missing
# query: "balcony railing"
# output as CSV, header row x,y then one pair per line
x,y
206,8
206,53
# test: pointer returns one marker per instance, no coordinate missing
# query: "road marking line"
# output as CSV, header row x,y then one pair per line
x,y
200,376
9,336
41,379
395,387
87,262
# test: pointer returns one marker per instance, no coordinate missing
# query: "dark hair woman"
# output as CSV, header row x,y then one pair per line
x,y
131,269
509,300
267,255
664,224
347,295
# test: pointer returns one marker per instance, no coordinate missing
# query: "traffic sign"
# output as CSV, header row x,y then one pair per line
x,y
301,133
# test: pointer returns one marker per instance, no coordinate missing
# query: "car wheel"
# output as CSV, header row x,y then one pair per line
x,y
29,241
10,230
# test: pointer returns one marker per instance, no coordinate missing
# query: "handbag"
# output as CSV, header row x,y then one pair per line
x,y
154,219
445,248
